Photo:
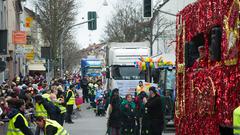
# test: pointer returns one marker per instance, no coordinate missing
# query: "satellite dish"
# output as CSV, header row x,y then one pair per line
x,y
2,66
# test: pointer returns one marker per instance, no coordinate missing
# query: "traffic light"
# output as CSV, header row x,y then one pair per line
x,y
92,25
147,8
3,42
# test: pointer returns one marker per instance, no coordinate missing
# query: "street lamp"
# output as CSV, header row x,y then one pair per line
x,y
61,41
105,3
67,29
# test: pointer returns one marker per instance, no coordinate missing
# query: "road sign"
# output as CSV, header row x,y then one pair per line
x,y
28,48
28,22
24,49
19,37
30,56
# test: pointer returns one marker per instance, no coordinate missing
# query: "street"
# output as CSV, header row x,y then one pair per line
x,y
89,124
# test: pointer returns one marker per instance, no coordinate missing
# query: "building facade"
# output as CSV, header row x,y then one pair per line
x,y
2,27
10,11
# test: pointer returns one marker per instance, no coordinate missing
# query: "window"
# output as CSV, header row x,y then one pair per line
x,y
191,50
127,73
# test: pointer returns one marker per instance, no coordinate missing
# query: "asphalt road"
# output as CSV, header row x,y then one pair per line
x,y
89,124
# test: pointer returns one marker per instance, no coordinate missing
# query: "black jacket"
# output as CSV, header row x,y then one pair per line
x,y
51,130
115,117
84,83
154,106
52,110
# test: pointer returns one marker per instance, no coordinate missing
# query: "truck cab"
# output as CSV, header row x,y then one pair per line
x,y
91,66
122,72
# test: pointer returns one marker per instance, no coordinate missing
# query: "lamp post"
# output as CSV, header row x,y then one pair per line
x,y
61,41
67,29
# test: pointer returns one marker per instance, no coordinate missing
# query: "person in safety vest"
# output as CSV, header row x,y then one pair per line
x,y
50,127
47,95
46,109
140,87
57,98
236,121
60,104
18,124
70,101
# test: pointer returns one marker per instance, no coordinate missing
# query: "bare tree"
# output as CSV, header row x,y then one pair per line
x,y
71,55
54,16
124,24
168,39
128,25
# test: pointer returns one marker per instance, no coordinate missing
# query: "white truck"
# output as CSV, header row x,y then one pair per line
x,y
120,59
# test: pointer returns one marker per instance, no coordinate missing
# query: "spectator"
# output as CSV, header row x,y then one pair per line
x,y
128,109
50,127
70,101
155,111
18,125
84,86
114,114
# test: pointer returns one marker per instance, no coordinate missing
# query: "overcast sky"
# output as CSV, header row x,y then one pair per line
x,y
84,37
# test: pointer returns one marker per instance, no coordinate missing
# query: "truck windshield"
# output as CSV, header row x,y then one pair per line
x,y
126,73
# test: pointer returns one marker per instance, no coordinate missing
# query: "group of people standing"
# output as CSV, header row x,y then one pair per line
x,y
91,90
31,100
142,115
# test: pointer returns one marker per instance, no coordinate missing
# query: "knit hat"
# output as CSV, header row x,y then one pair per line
x,y
153,89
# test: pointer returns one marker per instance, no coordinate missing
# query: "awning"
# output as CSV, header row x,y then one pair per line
x,y
36,67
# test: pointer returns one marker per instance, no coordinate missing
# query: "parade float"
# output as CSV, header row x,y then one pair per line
x,y
154,67
160,72
207,94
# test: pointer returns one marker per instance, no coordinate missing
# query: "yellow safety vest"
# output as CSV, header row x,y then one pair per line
x,y
71,101
236,121
60,131
40,111
11,128
47,96
140,89
61,107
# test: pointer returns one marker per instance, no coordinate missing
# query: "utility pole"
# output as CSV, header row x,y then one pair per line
x,y
155,15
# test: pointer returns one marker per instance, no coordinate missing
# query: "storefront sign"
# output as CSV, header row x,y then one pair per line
x,y
19,37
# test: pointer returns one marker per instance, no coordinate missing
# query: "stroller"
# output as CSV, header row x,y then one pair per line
x,y
100,104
